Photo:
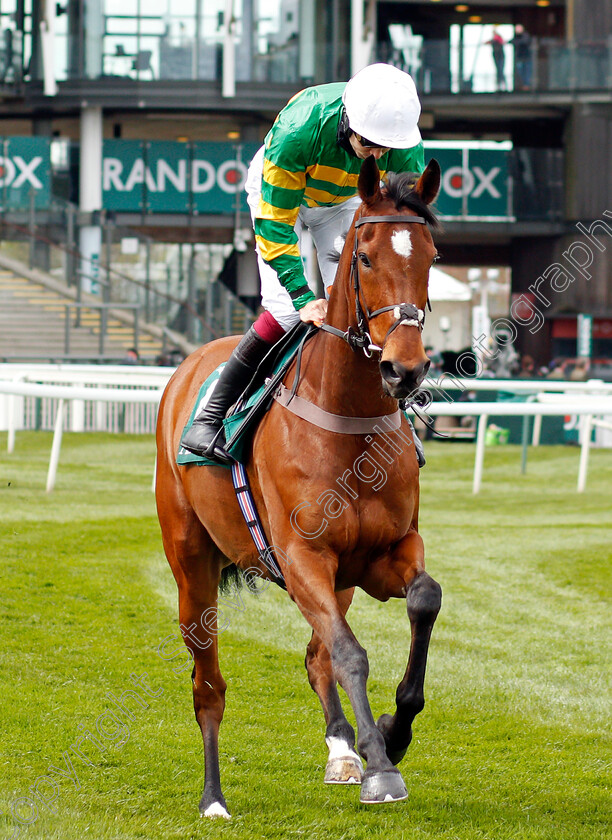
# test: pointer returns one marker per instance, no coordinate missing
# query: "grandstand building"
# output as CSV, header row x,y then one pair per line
x,y
141,118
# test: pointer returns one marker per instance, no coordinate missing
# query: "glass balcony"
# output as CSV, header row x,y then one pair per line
x,y
164,40
13,40
459,66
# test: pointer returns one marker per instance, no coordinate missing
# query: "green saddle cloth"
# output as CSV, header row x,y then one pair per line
x,y
240,425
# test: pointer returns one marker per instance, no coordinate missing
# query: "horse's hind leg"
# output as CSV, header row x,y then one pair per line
x,y
344,766
196,565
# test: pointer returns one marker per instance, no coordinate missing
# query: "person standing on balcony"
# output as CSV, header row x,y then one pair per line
x,y
305,177
522,57
499,57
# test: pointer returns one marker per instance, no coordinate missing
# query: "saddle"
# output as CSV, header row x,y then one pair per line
x,y
243,418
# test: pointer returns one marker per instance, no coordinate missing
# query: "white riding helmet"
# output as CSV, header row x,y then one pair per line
x,y
383,106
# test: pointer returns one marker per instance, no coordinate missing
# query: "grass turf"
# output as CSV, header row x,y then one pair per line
x,y
513,743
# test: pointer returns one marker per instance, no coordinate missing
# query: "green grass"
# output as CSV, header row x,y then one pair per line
x,y
513,743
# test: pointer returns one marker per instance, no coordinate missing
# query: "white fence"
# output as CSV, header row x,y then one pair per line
x,y
78,388
71,393
39,411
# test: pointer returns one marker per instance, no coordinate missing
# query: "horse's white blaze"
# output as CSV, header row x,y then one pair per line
x,y
339,748
401,242
339,243
216,810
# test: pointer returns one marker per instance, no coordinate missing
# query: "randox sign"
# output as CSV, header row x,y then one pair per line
x,y
171,177
25,172
474,179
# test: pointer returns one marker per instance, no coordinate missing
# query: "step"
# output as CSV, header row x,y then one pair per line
x,y
32,322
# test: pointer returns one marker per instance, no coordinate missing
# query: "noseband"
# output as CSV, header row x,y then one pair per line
x,y
406,314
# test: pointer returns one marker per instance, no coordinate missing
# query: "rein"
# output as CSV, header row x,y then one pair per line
x,y
407,314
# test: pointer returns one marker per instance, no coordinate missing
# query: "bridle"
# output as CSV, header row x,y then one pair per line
x,y
406,314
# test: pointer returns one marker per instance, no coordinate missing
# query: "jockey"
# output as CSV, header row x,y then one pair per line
x,y
305,176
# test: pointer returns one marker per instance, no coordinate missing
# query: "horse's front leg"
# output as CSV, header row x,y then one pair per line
x,y
311,585
423,601
343,766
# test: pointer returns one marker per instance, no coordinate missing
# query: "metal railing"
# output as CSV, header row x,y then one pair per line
x,y
103,311
171,286
545,65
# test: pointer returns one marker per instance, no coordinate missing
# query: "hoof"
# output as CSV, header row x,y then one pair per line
x,y
383,724
216,809
344,770
382,787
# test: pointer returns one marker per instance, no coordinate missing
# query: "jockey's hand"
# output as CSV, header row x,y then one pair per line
x,y
314,312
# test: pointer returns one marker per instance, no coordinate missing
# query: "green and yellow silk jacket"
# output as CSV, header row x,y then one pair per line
x,y
304,166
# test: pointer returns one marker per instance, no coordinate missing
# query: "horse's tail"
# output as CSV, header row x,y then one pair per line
x,y
233,579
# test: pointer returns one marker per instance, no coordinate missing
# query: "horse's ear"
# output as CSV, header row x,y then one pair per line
x,y
428,185
369,181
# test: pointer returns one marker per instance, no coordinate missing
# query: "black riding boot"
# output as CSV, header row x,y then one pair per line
x,y
205,437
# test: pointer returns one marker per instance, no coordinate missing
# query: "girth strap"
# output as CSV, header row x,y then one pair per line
x,y
334,422
253,522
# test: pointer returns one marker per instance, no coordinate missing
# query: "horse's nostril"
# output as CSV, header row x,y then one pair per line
x,y
392,372
400,380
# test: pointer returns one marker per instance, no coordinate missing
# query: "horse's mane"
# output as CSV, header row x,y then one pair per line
x,y
399,187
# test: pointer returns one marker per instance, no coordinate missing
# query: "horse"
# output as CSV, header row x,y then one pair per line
x,y
333,528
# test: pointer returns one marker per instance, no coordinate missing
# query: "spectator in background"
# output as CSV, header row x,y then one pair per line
x,y
555,369
527,370
172,358
436,360
7,57
522,57
131,357
580,373
499,57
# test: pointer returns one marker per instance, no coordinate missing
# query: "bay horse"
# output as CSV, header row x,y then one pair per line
x,y
337,528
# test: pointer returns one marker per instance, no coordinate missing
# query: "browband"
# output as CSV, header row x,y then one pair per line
x,y
418,220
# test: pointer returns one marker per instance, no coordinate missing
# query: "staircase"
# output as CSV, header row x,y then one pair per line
x,y
33,323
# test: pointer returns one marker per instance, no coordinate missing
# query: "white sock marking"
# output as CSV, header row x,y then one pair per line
x,y
217,810
339,748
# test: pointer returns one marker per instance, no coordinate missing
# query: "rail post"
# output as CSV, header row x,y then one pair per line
x,y
480,452
525,444
586,426
56,446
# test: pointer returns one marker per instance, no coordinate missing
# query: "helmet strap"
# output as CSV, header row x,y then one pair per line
x,y
344,132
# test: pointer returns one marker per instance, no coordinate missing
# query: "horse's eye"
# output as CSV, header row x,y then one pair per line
x,y
364,260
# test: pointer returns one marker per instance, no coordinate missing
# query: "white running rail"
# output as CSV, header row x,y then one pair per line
x,y
589,407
